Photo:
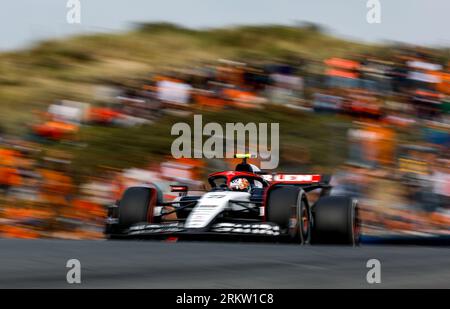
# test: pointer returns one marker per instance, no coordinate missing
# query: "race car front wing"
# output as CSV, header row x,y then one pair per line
x,y
223,228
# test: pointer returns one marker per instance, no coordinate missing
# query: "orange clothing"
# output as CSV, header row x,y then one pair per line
x,y
9,176
379,144
11,231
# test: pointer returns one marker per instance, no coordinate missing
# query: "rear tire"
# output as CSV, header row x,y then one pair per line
x,y
336,221
288,208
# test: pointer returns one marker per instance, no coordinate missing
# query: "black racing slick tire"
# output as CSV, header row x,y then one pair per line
x,y
135,206
335,221
288,208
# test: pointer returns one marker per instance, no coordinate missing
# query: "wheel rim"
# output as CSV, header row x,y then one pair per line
x,y
305,222
299,223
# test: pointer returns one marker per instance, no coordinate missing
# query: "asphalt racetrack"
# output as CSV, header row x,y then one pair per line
x,y
157,264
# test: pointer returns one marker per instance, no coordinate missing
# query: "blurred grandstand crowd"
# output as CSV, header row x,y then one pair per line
x,y
403,187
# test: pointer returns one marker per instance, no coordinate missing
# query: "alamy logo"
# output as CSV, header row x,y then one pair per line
x,y
74,14
374,274
74,273
374,14
213,146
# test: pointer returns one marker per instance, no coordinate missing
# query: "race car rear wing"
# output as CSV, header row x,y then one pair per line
x,y
308,182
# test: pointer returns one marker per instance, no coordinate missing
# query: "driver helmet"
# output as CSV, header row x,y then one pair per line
x,y
240,184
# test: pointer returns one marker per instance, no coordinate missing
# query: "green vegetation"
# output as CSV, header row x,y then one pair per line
x,y
318,139
71,68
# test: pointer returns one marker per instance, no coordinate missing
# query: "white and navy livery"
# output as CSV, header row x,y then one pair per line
x,y
262,206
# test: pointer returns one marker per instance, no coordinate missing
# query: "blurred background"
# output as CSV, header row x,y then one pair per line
x,y
82,117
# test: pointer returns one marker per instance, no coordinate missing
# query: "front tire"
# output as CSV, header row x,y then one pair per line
x,y
135,206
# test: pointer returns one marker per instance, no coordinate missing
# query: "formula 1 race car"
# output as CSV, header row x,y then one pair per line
x,y
242,204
